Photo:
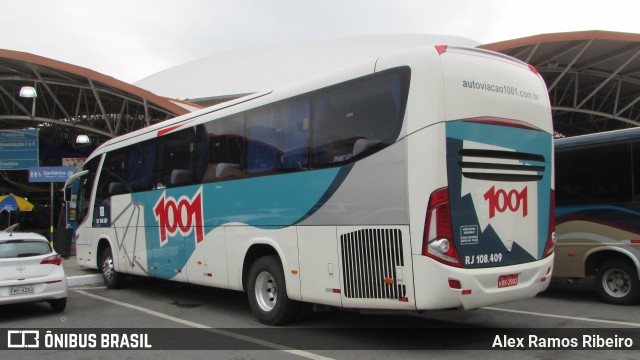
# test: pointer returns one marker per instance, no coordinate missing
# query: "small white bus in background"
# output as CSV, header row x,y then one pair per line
x,y
422,179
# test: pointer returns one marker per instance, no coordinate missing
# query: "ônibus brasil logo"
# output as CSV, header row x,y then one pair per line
x,y
500,201
183,215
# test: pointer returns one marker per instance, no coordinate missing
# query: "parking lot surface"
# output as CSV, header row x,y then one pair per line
x,y
197,322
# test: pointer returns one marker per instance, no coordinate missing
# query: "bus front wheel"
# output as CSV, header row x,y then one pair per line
x,y
267,292
112,278
617,283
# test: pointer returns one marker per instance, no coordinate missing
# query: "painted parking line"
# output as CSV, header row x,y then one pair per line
x,y
564,317
249,339
82,280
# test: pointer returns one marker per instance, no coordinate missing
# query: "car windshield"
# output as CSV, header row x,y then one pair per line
x,y
23,248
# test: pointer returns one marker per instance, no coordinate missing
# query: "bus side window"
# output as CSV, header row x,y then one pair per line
x,y
295,148
84,190
226,148
176,159
357,119
583,184
112,180
278,137
140,166
636,171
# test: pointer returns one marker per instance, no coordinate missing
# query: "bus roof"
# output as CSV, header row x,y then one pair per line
x,y
598,138
177,121
304,85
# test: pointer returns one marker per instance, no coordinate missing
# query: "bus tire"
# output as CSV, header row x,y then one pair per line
x,y
112,278
267,292
617,283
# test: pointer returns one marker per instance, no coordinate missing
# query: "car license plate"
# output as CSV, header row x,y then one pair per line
x,y
19,290
508,280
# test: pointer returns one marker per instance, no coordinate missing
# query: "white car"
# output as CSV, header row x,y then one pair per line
x,y
30,270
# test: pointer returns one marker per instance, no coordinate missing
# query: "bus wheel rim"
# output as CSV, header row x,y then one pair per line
x,y
616,282
107,268
266,291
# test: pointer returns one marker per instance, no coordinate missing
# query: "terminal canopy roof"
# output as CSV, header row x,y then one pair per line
x,y
72,100
593,77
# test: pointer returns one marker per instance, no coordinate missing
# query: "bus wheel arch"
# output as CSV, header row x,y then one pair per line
x,y
617,280
102,245
596,258
104,256
267,292
264,281
255,252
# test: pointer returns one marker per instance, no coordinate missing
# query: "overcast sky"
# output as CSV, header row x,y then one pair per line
x,y
132,39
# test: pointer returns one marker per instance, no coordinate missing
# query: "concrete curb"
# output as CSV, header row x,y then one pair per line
x,y
83,280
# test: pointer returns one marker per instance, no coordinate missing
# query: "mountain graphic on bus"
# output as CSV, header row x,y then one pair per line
x,y
495,173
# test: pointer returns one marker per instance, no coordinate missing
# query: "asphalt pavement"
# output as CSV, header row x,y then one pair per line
x,y
78,275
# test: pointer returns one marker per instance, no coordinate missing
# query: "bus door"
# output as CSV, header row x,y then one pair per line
x,y
77,193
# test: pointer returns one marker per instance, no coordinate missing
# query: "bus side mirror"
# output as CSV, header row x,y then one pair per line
x,y
69,184
67,194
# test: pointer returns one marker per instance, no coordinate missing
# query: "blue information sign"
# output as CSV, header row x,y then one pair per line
x,y
18,149
51,173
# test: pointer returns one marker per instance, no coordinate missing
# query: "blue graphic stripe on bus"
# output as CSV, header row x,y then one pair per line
x,y
623,216
178,219
562,211
514,139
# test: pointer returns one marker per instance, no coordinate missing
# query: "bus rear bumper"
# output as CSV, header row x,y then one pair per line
x,y
478,287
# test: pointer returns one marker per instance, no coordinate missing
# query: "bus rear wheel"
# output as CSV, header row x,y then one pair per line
x,y
267,292
617,283
112,278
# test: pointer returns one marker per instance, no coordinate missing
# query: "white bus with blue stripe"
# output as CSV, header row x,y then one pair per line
x,y
421,179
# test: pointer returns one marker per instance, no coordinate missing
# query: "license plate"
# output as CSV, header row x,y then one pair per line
x,y
508,280
21,290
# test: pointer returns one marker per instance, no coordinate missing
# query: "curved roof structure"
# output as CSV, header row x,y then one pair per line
x,y
74,100
70,101
593,77
225,76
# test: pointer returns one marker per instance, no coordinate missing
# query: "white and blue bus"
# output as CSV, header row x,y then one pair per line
x,y
422,179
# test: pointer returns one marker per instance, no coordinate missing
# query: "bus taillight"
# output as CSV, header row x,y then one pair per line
x,y
551,237
437,241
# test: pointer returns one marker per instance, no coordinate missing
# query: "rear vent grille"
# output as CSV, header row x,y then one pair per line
x,y
370,258
496,165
